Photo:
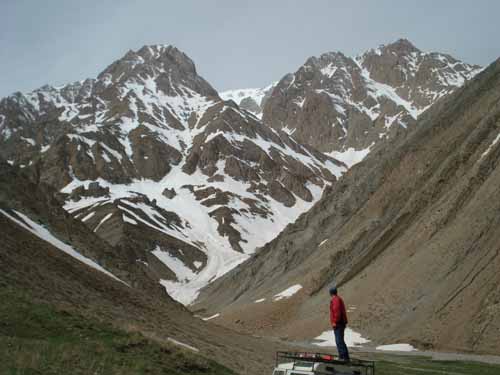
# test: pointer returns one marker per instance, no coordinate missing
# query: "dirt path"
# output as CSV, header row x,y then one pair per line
x,y
366,350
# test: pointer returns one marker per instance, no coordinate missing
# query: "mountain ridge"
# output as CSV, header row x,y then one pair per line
x,y
352,103
150,144
153,160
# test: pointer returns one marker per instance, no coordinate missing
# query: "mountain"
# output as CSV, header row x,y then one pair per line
x,y
252,100
153,161
71,304
346,105
410,236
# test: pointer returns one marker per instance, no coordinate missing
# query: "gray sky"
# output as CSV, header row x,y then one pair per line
x,y
235,44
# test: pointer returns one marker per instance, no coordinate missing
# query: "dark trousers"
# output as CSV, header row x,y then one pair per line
x,y
339,341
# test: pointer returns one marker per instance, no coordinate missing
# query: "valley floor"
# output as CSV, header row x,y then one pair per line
x,y
35,338
408,363
421,364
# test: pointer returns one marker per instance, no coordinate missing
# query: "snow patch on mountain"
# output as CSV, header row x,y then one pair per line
x,y
396,348
351,156
43,233
182,344
287,293
256,95
201,228
491,146
351,337
237,95
182,272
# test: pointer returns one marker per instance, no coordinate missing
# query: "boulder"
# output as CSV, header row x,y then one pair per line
x,y
169,193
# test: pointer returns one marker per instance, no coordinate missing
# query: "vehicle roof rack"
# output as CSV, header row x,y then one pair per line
x,y
323,358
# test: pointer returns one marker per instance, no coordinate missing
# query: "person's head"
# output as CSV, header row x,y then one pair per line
x,y
333,291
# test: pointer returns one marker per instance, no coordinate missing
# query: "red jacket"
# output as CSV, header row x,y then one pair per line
x,y
338,315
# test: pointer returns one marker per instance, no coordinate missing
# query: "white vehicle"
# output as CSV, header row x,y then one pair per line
x,y
302,363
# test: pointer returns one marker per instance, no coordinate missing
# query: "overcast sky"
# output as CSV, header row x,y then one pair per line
x,y
234,44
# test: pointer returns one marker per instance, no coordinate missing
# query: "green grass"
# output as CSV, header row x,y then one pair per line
x,y
37,339
412,365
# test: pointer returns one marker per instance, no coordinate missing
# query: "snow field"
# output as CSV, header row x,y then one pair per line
x,y
351,337
287,293
396,348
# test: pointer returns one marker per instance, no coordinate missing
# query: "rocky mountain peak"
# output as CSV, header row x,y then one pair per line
x,y
167,56
400,46
345,106
326,64
166,65
157,54
325,58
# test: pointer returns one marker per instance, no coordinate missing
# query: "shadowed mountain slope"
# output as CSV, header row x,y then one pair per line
x,y
410,235
60,305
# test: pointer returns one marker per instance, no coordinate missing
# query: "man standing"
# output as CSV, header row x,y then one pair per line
x,y
338,319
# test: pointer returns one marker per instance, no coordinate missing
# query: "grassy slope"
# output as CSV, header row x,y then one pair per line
x,y
38,339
